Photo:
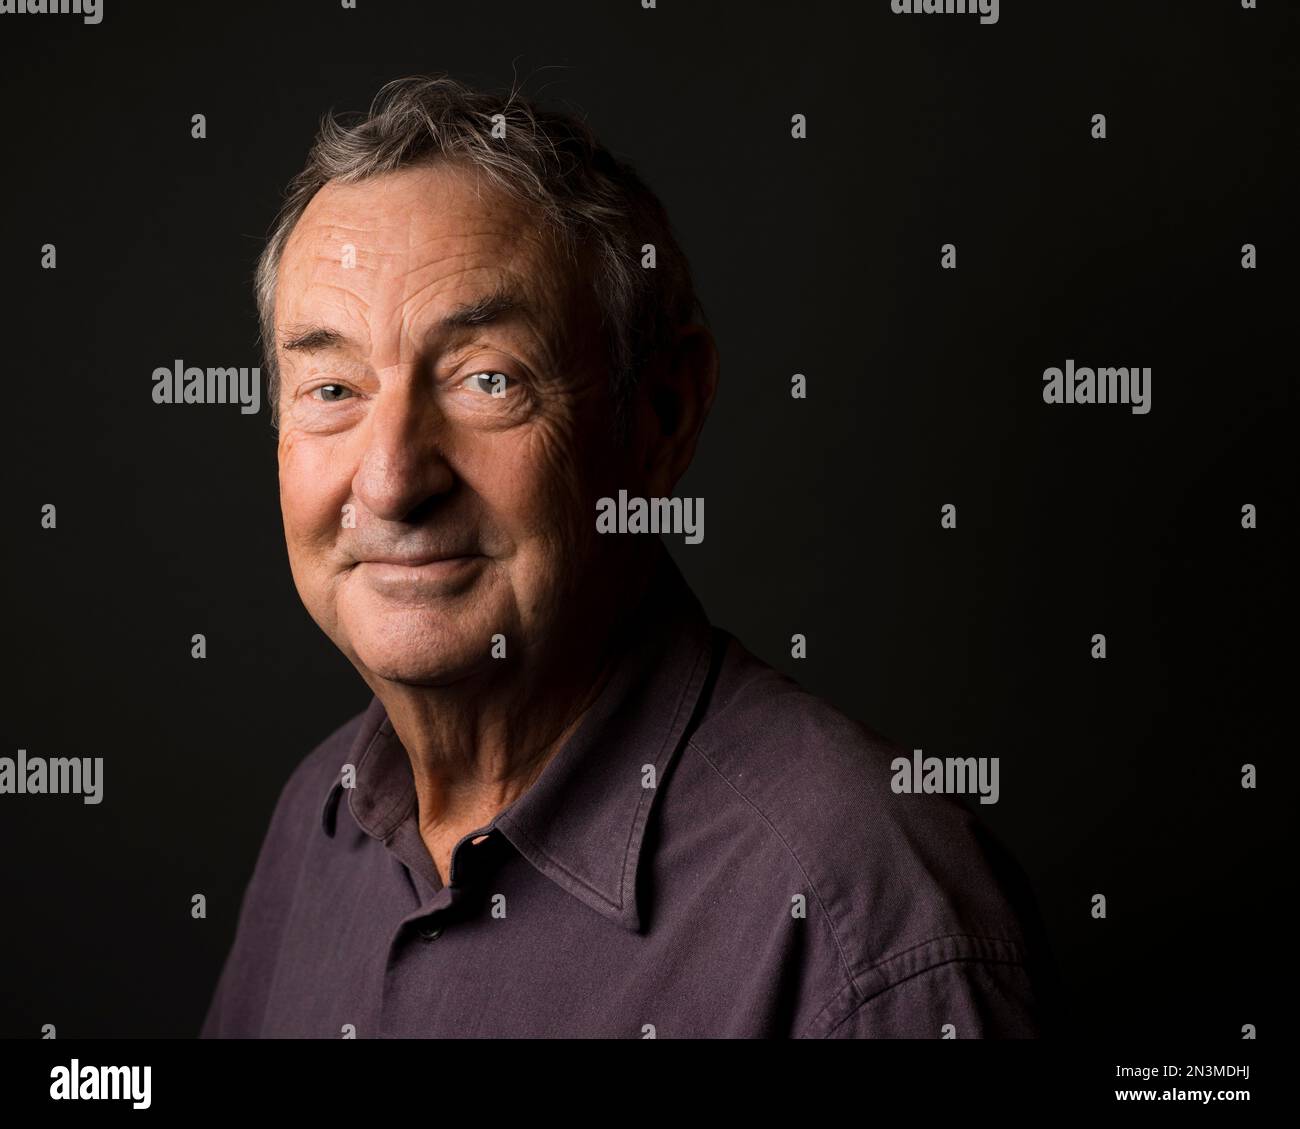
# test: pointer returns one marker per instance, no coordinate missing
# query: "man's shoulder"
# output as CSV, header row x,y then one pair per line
x,y
892,871
761,721
789,750
240,995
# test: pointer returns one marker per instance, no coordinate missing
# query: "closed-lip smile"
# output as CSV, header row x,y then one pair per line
x,y
417,560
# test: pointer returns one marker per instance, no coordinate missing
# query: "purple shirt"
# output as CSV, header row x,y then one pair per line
x,y
714,853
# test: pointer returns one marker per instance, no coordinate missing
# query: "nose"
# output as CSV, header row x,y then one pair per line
x,y
403,463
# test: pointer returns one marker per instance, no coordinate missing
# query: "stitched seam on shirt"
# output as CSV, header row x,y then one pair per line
x,y
1018,960
402,808
980,960
336,785
934,941
387,815
811,885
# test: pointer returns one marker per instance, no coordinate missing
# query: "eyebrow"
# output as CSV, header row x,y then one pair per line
x,y
497,306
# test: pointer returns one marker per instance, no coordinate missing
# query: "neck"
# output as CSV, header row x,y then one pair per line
x,y
476,745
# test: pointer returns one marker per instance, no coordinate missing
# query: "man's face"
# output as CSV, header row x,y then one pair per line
x,y
444,425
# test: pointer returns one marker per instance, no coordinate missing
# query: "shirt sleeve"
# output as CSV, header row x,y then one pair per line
x,y
961,999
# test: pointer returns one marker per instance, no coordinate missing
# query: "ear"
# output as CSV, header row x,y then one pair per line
x,y
676,392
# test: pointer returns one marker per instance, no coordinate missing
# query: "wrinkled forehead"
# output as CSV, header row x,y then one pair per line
x,y
409,244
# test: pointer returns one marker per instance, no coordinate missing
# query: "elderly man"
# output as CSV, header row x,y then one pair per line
x,y
573,807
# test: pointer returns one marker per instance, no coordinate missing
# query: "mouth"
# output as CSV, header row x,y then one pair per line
x,y
420,577
422,560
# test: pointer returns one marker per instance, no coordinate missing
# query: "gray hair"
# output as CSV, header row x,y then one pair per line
x,y
585,197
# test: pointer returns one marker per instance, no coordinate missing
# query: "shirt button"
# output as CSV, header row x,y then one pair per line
x,y
431,934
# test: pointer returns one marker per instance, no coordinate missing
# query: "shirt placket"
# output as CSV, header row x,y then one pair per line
x,y
439,911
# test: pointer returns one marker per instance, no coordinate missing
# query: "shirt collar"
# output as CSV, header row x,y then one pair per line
x,y
582,822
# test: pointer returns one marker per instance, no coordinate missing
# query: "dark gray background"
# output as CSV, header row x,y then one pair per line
x,y
820,257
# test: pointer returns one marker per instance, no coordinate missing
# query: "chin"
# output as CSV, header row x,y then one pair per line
x,y
418,666
417,646
419,674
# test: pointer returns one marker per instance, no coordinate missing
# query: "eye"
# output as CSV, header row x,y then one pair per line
x,y
490,383
331,393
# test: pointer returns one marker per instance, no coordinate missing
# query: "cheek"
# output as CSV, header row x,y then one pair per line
x,y
534,492
312,492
